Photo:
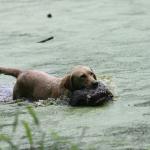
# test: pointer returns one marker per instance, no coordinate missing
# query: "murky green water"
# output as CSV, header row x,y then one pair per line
x,y
110,36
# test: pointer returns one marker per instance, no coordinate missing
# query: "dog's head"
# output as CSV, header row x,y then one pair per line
x,y
79,78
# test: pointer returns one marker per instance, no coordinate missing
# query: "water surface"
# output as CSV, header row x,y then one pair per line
x,y
110,36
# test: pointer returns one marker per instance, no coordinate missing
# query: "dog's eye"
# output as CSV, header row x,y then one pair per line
x,y
83,76
91,73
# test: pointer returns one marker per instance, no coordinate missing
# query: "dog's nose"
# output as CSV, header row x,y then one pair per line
x,y
95,84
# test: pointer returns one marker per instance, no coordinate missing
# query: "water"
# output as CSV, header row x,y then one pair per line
x,y
110,36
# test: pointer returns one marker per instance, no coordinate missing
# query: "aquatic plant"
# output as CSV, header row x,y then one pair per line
x,y
57,142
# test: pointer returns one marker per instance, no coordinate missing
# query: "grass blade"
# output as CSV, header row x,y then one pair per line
x,y
42,141
33,114
7,139
28,133
16,120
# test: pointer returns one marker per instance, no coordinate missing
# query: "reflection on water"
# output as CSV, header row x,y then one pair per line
x,y
5,93
110,36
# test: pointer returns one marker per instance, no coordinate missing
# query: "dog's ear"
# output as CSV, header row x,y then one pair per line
x,y
67,83
93,74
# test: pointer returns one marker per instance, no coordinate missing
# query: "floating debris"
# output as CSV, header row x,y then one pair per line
x,y
49,15
45,40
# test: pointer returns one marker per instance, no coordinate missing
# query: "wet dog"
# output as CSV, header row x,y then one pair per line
x,y
35,85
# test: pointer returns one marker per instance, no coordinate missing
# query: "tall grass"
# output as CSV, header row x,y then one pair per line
x,y
56,140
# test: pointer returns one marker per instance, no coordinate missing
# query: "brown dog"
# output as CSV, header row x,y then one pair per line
x,y
39,85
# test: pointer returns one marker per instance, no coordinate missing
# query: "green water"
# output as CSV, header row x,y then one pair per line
x,y
111,36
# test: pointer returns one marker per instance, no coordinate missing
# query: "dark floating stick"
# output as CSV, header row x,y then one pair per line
x,y
45,40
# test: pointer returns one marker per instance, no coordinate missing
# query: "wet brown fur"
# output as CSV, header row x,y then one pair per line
x,y
39,85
